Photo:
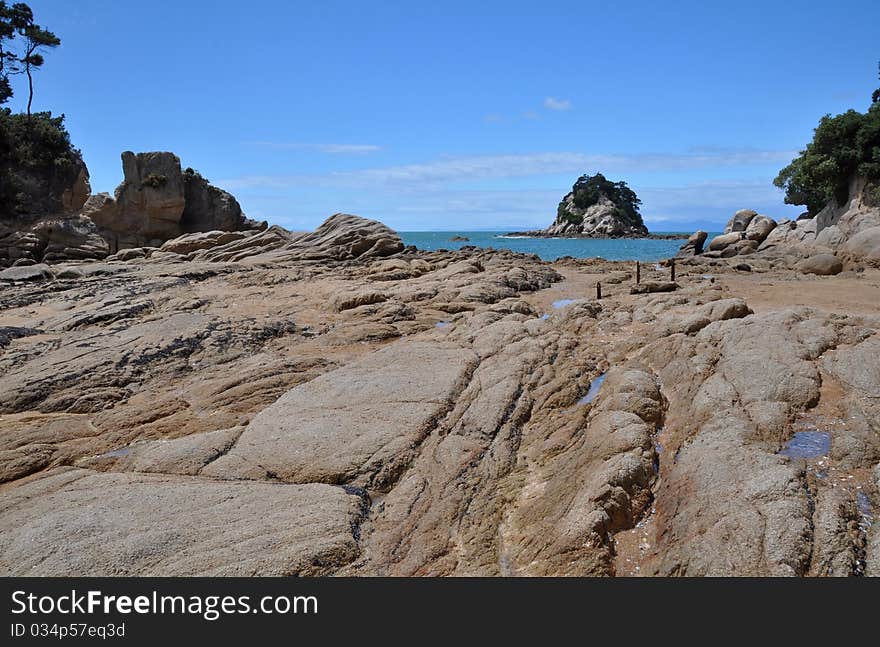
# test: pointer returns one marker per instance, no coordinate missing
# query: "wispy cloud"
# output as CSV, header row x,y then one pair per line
x,y
552,103
444,172
708,204
333,149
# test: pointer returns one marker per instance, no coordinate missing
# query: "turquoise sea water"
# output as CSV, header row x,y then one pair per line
x,y
549,249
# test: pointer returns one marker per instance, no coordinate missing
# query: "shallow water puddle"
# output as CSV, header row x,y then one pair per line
x,y
595,385
561,303
441,324
863,503
807,444
116,453
544,317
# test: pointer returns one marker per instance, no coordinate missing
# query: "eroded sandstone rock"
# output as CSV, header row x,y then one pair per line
x,y
356,425
138,524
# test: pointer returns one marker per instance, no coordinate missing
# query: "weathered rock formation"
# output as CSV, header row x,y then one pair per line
x,y
694,244
325,405
850,231
833,228
155,202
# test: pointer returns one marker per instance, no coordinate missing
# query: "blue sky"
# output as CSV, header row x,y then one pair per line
x,y
459,115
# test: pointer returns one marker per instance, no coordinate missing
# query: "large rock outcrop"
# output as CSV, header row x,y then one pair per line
x,y
850,231
342,237
149,202
207,208
155,202
833,228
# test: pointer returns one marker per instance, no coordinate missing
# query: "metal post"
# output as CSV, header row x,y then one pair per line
x,y
672,265
638,272
598,290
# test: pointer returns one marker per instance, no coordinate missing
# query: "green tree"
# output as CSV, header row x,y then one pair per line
x,y
37,162
36,41
843,147
12,20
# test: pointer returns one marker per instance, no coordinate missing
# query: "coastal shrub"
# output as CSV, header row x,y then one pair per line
x,y
843,146
190,173
154,181
562,213
36,158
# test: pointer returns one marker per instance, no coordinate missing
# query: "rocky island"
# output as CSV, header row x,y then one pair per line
x,y
596,208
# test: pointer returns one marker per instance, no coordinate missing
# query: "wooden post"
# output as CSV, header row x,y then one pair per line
x,y
672,265
598,290
638,272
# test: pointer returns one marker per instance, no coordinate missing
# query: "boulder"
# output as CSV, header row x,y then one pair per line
x,y
70,238
100,209
38,272
694,244
740,221
821,264
130,253
740,247
649,287
759,228
864,247
720,242
202,240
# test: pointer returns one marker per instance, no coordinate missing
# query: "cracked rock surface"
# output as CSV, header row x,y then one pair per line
x,y
433,413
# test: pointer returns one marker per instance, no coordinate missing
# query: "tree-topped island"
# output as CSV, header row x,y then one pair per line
x,y
596,207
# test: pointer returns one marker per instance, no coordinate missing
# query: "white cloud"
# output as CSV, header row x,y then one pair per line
x,y
333,149
552,103
445,171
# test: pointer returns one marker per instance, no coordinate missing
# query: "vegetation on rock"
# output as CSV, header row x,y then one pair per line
x,y
37,162
843,146
17,25
588,191
154,180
